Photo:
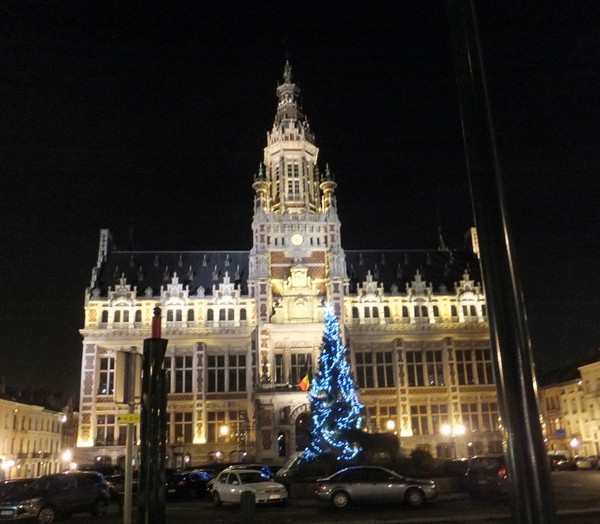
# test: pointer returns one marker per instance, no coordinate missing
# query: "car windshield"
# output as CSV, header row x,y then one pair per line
x,y
250,477
10,488
485,464
290,462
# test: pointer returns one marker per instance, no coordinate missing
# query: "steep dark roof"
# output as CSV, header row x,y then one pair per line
x,y
155,269
399,267
198,268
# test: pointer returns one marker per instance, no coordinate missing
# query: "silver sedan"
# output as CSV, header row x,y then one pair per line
x,y
373,484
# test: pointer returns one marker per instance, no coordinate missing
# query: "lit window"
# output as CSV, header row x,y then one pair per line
x,y
184,427
226,426
380,416
419,420
374,369
105,430
106,377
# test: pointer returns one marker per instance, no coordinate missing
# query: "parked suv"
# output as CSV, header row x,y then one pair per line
x,y
487,476
59,494
114,475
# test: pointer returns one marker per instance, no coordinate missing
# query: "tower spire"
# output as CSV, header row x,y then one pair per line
x,y
287,72
290,156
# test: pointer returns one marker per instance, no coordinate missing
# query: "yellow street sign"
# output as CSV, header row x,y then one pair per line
x,y
129,418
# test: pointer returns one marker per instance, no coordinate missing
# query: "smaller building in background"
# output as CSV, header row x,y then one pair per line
x,y
35,440
570,401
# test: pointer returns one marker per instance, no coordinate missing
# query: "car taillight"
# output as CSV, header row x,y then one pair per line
x,y
320,487
181,483
502,472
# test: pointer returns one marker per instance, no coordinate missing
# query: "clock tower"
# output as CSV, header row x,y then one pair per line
x,y
296,262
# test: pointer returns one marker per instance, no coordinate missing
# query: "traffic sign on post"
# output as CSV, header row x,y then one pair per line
x,y
129,418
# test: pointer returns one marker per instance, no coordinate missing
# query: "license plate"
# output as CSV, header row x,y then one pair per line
x,y
6,512
171,491
274,497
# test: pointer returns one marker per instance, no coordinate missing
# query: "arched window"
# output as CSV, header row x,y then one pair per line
x,y
386,312
453,311
375,312
230,314
222,313
243,314
436,311
117,316
178,315
484,310
404,312
190,315
125,316
170,315
105,316
210,315
367,312
138,315
354,312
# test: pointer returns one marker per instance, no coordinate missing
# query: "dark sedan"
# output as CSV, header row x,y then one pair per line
x,y
188,484
373,485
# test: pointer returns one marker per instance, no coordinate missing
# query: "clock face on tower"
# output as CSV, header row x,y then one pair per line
x,y
297,239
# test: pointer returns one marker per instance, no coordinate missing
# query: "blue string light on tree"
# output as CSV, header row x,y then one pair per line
x,y
333,399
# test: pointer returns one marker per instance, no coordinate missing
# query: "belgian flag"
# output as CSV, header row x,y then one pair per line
x,y
306,376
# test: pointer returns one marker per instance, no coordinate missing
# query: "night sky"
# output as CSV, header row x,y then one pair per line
x,y
151,121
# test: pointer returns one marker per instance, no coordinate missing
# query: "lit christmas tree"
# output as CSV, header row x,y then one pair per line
x,y
333,400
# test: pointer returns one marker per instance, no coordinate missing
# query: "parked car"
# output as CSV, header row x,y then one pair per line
x,y
594,461
587,463
230,483
487,476
562,463
59,494
188,484
114,475
259,467
289,470
373,484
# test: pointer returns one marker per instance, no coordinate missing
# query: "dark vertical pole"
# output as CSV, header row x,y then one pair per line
x,y
531,487
151,487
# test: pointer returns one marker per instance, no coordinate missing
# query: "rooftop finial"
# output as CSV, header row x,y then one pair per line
x,y
287,72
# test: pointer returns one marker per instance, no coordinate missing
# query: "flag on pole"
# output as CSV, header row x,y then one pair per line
x,y
306,376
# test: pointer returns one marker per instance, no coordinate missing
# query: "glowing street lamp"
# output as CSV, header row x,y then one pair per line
x,y
450,431
7,465
575,444
67,455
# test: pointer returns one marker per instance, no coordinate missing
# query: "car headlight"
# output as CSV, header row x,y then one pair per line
x,y
29,502
260,492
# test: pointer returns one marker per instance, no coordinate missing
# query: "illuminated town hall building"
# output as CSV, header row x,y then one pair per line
x,y
242,326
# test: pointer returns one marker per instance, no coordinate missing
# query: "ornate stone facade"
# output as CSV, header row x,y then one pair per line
x,y
243,326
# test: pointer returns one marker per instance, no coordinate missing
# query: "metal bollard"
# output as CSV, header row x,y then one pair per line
x,y
248,502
